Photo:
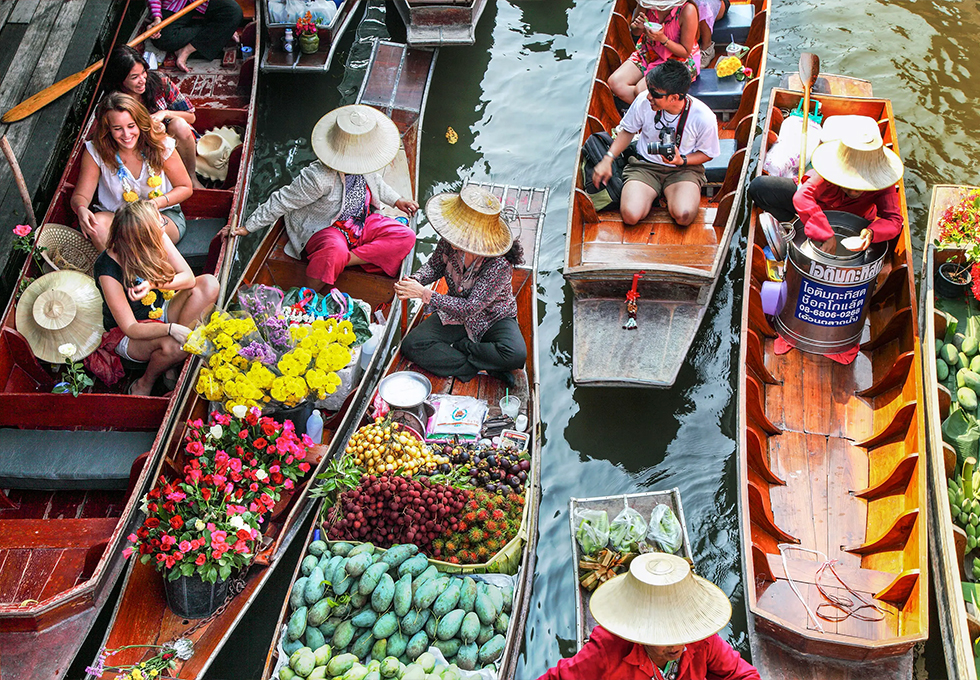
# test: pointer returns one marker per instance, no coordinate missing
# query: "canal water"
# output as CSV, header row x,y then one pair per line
x,y
517,99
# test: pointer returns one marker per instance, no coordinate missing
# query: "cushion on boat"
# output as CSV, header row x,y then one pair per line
x,y
716,168
197,239
69,459
734,25
720,94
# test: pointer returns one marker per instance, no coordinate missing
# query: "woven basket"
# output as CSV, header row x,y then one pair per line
x,y
66,248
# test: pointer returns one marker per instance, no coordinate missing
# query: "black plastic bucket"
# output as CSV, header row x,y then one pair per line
x,y
193,598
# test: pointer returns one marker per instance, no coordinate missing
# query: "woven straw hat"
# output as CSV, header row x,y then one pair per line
x,y
58,308
355,139
662,5
659,602
214,150
470,221
859,159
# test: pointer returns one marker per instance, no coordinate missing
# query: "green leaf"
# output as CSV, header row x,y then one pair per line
x,y
962,432
187,569
951,323
224,572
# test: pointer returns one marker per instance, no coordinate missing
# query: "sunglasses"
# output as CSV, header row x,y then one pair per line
x,y
657,95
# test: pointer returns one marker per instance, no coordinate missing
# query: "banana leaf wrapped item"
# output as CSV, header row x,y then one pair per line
x,y
604,566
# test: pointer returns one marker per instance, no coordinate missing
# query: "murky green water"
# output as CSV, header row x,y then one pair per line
x,y
517,100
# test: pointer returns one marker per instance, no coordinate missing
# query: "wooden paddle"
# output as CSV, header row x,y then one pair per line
x,y
809,70
227,261
52,92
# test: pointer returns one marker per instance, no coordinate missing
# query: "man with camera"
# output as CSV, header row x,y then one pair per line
x,y
677,135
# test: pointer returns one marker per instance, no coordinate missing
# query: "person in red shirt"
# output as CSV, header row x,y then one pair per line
x,y
657,622
856,174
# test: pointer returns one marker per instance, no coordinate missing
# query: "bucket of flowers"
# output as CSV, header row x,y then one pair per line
x,y
203,526
959,232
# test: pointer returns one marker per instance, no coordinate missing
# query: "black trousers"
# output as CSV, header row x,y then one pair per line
x,y
208,32
774,195
447,351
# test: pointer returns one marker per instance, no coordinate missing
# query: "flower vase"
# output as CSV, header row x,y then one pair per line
x,y
309,43
193,598
953,280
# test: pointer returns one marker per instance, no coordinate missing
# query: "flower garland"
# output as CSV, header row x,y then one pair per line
x,y
129,183
150,300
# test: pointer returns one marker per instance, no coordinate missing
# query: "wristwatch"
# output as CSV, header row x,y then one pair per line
x,y
684,158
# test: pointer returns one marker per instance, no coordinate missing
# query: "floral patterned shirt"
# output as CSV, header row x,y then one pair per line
x,y
490,299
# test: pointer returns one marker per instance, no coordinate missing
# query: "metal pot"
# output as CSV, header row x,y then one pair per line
x,y
828,293
405,389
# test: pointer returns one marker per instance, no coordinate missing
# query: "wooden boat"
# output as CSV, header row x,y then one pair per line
x,y
680,265
72,470
830,461
527,206
276,58
441,22
397,83
958,621
644,503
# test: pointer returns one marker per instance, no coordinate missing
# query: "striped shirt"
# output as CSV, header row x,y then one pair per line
x,y
171,6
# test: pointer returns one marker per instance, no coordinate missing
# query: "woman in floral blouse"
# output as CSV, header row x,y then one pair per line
x,y
474,327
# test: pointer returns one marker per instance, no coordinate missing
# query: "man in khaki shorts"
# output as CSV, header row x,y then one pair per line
x,y
678,134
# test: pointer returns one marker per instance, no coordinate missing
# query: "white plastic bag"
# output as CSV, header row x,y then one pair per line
x,y
628,529
665,529
455,415
782,160
593,530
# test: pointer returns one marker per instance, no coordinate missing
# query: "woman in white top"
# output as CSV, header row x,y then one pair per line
x,y
129,158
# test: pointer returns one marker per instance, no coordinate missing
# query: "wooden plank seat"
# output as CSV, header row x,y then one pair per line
x,y
734,25
196,242
715,169
69,459
721,94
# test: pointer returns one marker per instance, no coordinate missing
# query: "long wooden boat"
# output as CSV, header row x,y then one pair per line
x,y
958,621
644,503
526,206
397,83
680,265
441,22
276,58
72,470
830,461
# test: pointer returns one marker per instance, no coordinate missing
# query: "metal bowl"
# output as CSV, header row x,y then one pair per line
x,y
405,389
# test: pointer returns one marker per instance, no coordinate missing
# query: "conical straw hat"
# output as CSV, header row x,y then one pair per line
x,y
859,160
470,221
214,151
355,139
659,602
60,308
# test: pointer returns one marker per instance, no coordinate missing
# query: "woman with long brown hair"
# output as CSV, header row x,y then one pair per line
x,y
144,279
129,158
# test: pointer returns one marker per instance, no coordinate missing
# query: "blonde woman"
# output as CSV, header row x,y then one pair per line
x,y
129,158
144,279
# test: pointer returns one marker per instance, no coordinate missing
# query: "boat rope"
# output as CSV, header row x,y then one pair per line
x,y
792,584
846,605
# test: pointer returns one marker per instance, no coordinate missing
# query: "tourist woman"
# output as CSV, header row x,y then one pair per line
x,y
144,279
657,621
332,209
709,11
128,159
474,326
668,29
128,72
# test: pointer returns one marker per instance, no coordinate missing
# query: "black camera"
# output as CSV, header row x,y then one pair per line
x,y
666,147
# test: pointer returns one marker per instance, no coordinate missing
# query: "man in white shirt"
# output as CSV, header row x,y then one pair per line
x,y
683,134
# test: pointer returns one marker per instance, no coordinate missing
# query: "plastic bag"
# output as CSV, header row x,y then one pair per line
x,y
783,159
456,415
665,529
593,530
303,305
626,530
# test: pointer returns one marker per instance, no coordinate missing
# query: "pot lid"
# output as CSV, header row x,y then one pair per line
x,y
775,235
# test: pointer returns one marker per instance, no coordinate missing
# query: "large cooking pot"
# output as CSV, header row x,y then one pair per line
x,y
828,293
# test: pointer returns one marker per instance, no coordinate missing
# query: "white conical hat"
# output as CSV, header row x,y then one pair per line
x,y
63,307
859,159
470,221
355,139
660,602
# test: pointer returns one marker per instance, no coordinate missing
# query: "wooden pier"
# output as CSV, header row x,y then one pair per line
x,y
41,42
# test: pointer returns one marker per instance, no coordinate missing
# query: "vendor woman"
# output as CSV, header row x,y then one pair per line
x,y
332,207
657,622
855,174
474,327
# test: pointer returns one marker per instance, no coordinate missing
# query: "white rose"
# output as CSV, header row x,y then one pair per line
x,y
216,431
67,350
261,474
239,411
199,525
236,521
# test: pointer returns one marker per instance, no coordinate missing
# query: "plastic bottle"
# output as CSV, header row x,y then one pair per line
x,y
368,348
287,42
314,426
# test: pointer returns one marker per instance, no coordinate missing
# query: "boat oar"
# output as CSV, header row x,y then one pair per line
x,y
52,92
809,70
226,262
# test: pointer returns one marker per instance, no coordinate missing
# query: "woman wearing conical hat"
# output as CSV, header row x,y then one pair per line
x,y
474,327
855,174
658,621
331,208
